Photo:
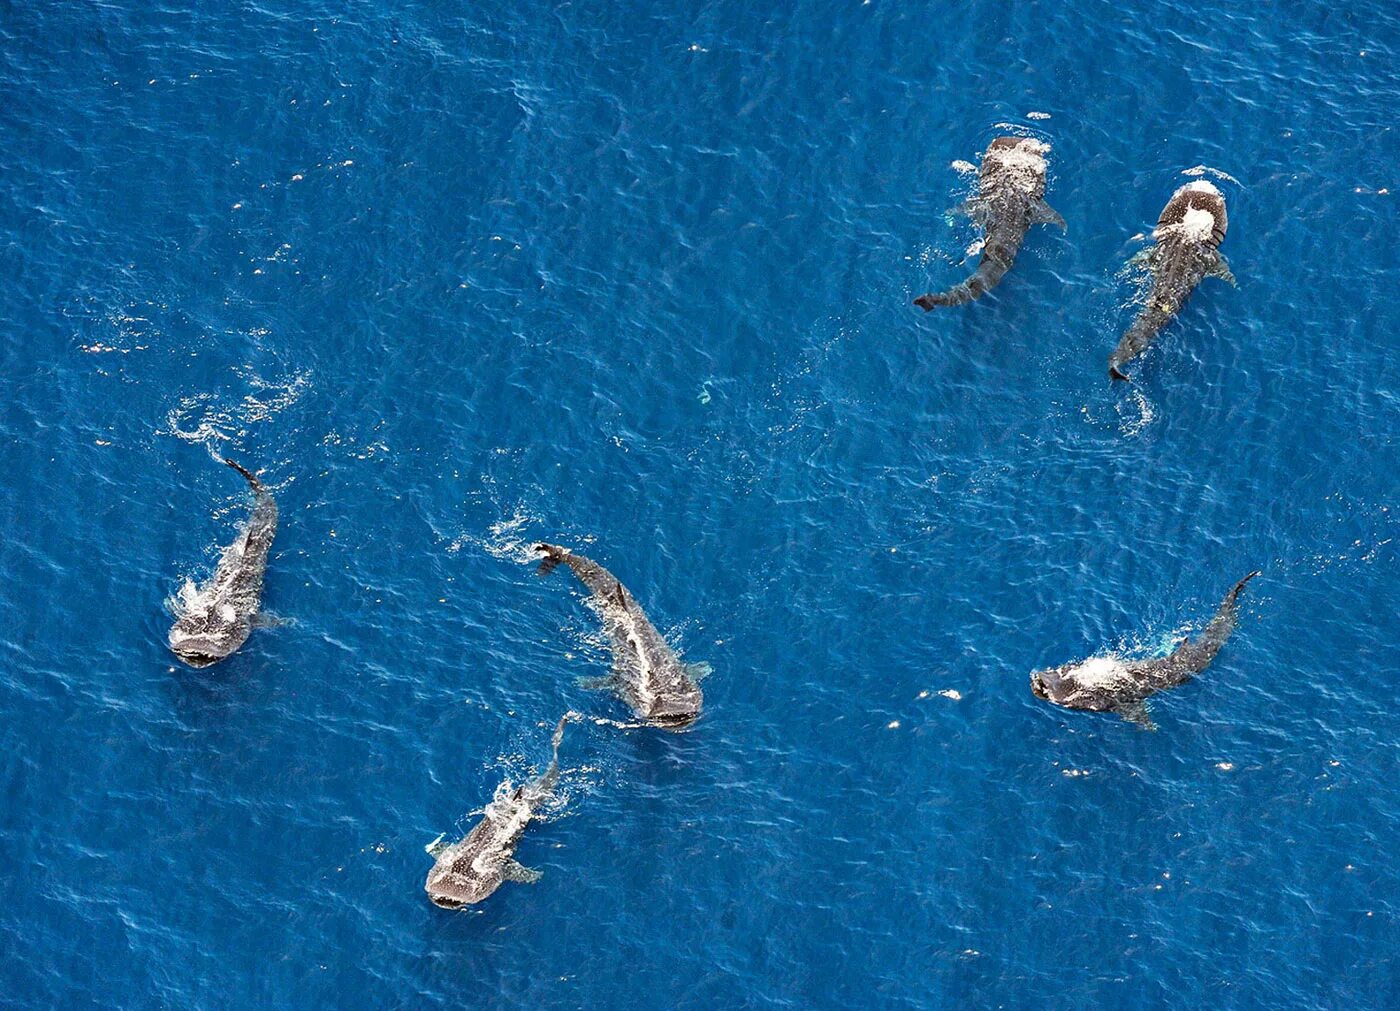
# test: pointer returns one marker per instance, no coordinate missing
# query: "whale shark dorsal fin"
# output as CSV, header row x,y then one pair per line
x,y
520,874
1136,712
1043,214
1221,269
619,595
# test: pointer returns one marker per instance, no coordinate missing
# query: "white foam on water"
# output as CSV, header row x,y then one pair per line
x,y
1135,413
1025,162
1200,170
1201,186
1037,115
1100,672
214,420
644,686
1197,224
505,539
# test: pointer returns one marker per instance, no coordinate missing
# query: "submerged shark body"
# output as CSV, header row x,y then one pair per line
x,y
1188,237
1108,684
468,871
215,619
647,674
1010,198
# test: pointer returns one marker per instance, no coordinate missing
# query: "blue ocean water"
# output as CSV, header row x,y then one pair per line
x,y
636,278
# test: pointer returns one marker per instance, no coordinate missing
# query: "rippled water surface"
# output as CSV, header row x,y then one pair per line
x,y
636,277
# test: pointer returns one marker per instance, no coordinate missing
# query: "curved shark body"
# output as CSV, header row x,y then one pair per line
x,y
1187,237
468,871
1010,198
647,674
215,619
1108,684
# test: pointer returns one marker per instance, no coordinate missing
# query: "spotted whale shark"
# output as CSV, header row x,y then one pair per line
x,y
1186,250
213,620
647,673
1010,198
468,871
1109,684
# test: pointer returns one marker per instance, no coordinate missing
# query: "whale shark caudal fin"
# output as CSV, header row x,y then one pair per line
x,y
252,478
1235,590
553,556
551,775
959,294
1117,374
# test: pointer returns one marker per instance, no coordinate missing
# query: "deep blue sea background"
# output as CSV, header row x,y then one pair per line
x,y
636,277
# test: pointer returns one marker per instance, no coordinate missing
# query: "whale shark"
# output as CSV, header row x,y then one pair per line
x,y
213,620
647,673
1110,684
468,871
1186,250
1010,198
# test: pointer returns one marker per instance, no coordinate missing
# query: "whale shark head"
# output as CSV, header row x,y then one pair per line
x,y
206,633
1017,163
450,886
1196,212
1089,684
675,720
678,707
1053,685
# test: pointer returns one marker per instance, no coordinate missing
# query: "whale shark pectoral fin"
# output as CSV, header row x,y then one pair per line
x,y
1043,214
1221,269
1136,712
605,683
1142,259
973,209
434,849
520,874
699,670
266,619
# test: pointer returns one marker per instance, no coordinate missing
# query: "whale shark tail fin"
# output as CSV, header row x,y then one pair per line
x,y
546,782
252,478
1197,654
1235,590
1117,374
959,295
553,555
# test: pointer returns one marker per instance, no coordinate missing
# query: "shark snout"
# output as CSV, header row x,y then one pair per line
x,y
1048,685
